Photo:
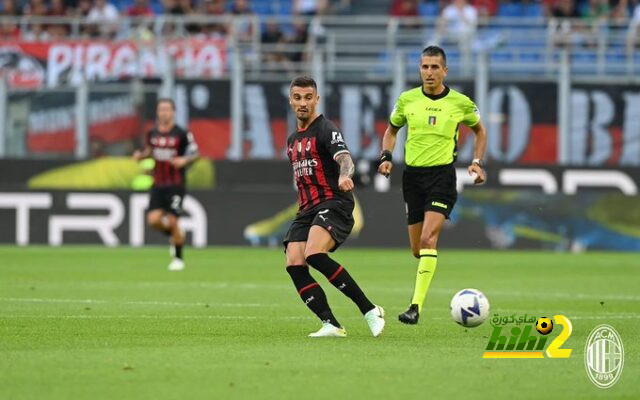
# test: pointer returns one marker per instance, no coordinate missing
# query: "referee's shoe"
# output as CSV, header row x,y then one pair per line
x,y
410,316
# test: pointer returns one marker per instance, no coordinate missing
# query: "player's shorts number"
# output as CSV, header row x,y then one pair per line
x,y
175,202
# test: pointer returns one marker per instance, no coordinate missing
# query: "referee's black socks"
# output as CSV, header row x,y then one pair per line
x,y
311,293
341,279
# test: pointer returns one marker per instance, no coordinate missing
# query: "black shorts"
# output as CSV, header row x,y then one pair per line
x,y
336,218
428,189
167,198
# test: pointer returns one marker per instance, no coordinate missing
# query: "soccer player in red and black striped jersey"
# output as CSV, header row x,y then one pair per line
x,y
173,149
322,167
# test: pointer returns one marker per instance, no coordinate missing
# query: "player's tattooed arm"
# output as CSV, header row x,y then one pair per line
x,y
346,164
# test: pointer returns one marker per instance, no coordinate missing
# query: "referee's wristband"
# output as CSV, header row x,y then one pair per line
x,y
386,156
477,161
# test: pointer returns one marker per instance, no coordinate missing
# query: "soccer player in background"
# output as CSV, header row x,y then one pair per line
x,y
433,113
173,149
322,167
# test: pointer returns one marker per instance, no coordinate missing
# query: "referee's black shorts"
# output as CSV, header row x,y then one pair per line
x,y
335,217
428,189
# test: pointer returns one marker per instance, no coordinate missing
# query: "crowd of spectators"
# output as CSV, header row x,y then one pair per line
x,y
100,18
575,21
455,18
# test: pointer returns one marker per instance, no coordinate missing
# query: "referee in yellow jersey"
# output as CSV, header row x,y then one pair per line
x,y
433,113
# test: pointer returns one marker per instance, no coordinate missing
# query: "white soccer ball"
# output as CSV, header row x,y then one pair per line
x,y
469,307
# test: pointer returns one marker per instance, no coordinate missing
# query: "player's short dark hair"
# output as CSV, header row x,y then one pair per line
x,y
166,100
435,51
303,81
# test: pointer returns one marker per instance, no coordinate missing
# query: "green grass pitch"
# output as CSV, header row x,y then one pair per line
x,y
95,323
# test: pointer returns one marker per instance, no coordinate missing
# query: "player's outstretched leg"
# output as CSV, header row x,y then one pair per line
x,y
313,296
341,279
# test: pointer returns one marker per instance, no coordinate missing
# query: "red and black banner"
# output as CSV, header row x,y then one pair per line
x,y
521,119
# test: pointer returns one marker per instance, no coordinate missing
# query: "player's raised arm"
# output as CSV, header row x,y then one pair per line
x,y
479,146
388,144
345,183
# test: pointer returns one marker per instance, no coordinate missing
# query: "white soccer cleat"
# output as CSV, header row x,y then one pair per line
x,y
176,265
329,330
375,320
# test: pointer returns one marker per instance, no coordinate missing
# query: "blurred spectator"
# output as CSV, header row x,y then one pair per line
x,y
9,8
568,29
338,7
214,8
619,12
36,31
299,39
178,8
58,30
272,33
82,9
57,8
486,8
141,27
9,30
594,14
309,7
635,18
404,8
243,28
633,36
103,18
275,42
241,7
596,11
140,8
564,9
35,8
188,10
181,7
458,20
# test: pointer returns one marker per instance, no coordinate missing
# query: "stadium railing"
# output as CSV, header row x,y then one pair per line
x,y
357,43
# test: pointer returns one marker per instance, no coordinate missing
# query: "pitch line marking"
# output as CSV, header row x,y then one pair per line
x,y
131,302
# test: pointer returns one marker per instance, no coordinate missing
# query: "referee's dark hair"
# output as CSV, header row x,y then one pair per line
x,y
435,51
303,81
166,100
